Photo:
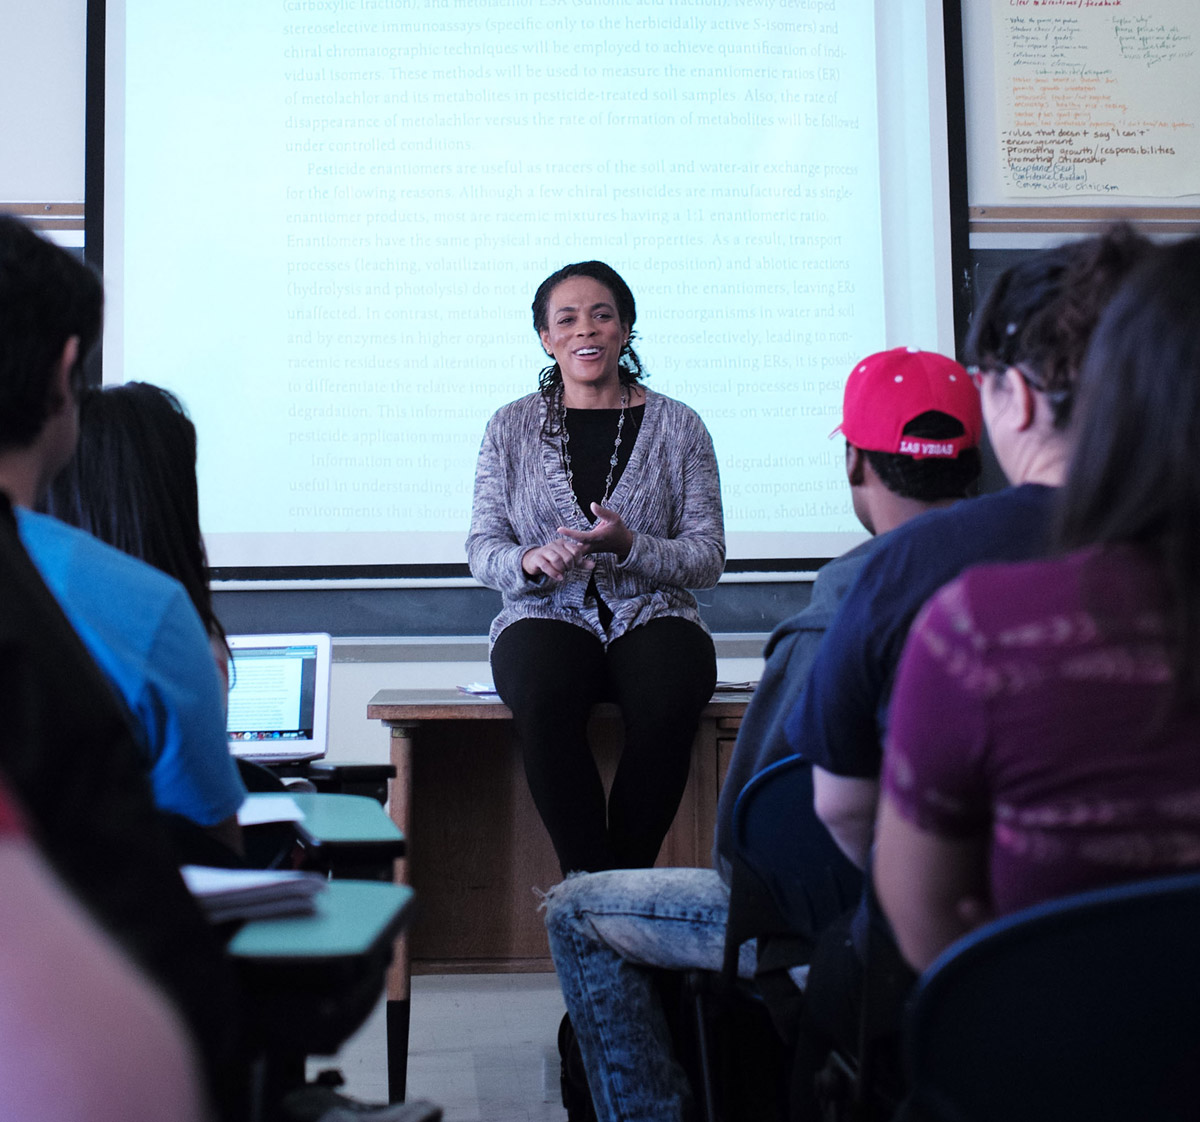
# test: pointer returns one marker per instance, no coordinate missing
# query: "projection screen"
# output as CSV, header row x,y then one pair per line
x,y
324,221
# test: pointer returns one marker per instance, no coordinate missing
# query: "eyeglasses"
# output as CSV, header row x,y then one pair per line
x,y
978,373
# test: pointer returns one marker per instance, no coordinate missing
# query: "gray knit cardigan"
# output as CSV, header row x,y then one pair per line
x,y
669,496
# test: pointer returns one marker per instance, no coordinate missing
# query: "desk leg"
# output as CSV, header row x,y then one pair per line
x,y
399,976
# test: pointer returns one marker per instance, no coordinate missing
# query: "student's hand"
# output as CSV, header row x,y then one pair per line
x,y
555,559
608,535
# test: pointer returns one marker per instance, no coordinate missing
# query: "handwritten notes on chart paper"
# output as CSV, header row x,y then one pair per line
x,y
1098,97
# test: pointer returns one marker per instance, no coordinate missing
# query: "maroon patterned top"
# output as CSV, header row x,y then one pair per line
x,y
12,822
1031,708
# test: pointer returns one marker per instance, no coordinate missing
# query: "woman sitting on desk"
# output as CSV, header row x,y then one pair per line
x,y
597,505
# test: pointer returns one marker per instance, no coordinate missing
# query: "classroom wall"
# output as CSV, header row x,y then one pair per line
x,y
42,94
42,161
42,44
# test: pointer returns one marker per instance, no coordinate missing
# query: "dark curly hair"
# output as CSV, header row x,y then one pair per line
x,y
932,479
1040,314
629,367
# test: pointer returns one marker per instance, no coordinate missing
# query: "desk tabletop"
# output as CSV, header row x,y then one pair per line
x,y
340,819
454,705
352,918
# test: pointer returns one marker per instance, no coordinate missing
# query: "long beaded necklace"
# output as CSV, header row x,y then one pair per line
x,y
566,439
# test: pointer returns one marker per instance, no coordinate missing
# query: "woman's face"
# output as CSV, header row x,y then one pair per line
x,y
583,332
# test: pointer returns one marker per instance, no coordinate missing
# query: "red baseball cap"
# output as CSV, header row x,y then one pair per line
x,y
888,389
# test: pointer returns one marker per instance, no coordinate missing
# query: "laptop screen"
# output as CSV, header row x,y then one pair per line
x,y
279,695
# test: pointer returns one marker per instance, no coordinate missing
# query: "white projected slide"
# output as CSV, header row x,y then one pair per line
x,y
326,219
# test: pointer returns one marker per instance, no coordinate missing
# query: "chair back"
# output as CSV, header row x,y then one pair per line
x,y
1086,1007
779,839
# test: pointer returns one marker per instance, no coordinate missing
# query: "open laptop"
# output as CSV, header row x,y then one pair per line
x,y
279,696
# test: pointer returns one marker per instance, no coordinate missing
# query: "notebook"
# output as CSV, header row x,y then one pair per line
x,y
279,696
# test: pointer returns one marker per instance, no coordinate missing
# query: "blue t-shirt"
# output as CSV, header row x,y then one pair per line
x,y
839,721
142,630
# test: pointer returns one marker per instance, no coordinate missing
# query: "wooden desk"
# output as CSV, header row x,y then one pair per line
x,y
477,850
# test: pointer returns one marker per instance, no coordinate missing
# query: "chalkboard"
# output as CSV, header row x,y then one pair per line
x,y
465,611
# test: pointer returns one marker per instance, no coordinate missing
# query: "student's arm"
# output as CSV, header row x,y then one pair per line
x,y
83,1034
930,887
847,806
931,848
182,710
496,548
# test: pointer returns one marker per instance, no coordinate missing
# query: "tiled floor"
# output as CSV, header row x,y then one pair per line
x,y
483,1046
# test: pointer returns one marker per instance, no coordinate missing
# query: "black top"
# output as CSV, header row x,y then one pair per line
x,y
592,433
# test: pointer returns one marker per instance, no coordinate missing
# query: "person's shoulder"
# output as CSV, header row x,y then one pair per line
x,y
519,409
50,540
1013,592
914,560
980,580
510,426
57,548
835,578
1035,602
1006,525
671,406
677,422
832,582
847,564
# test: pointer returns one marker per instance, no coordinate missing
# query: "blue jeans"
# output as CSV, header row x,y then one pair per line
x,y
607,930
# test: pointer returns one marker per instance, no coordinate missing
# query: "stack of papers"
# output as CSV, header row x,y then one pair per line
x,y
257,810
227,894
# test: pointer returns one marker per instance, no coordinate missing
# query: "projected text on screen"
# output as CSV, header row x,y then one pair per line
x,y
361,198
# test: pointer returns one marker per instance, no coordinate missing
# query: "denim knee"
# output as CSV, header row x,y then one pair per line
x,y
560,904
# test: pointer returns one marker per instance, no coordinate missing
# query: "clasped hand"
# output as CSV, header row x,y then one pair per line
x,y
555,559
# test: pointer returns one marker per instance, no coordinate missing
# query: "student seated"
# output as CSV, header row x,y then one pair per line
x,y
608,930
1033,328
83,1033
67,742
1046,717
69,758
132,483
138,624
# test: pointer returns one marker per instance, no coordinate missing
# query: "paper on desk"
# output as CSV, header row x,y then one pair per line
x,y
257,809
226,894
478,689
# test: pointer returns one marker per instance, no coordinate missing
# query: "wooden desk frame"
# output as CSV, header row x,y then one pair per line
x,y
444,716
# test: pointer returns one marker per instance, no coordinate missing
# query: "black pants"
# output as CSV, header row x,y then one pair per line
x,y
550,674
